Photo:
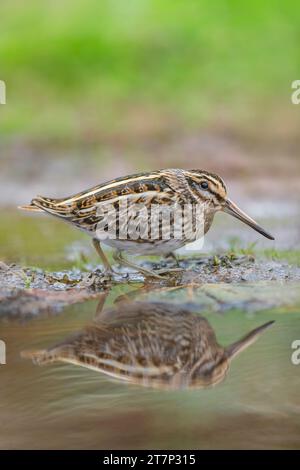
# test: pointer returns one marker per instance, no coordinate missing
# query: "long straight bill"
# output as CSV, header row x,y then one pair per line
x,y
235,211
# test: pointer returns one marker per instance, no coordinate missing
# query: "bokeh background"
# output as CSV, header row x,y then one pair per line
x,y
100,89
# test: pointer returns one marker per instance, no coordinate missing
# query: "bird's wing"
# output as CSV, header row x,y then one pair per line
x,y
88,212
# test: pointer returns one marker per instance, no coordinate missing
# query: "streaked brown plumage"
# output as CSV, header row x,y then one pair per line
x,y
153,344
163,188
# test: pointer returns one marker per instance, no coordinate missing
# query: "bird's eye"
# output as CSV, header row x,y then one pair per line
x,y
204,185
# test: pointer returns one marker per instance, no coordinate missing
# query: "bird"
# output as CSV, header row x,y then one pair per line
x,y
124,213
153,344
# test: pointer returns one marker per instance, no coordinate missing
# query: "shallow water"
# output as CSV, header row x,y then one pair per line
x,y
66,406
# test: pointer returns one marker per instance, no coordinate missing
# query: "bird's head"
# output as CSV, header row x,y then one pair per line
x,y
211,190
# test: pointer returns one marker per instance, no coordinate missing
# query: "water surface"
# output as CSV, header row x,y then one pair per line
x,y
65,406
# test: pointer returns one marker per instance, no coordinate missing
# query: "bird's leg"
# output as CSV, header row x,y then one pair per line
x,y
125,262
174,258
130,296
171,270
102,300
107,267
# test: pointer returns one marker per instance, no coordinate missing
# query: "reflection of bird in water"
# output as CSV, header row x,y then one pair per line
x,y
152,344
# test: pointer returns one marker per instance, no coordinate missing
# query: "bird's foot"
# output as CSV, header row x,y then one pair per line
x,y
170,270
146,272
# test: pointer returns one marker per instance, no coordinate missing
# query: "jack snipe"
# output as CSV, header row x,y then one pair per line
x,y
153,344
130,213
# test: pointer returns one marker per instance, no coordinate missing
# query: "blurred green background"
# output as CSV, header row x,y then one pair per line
x,y
88,70
99,89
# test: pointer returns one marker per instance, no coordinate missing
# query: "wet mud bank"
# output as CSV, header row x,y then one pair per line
x,y
230,281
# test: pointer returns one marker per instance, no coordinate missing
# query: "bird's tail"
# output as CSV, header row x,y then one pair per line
x,y
30,207
40,357
61,352
53,206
